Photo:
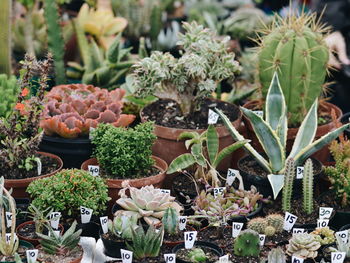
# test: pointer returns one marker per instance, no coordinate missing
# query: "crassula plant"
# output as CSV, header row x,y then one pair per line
x,y
71,110
204,63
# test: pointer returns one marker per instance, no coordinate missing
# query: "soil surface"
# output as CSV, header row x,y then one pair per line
x,y
211,234
112,237
48,258
328,199
178,237
167,113
151,172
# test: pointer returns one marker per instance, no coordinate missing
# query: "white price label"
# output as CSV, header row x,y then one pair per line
x,y
300,172
39,165
325,212
231,176
86,214
260,113
289,221
8,219
190,238
94,170
54,218
165,191
236,228
126,256
170,258
338,257
322,222
104,222
344,235
224,259
296,259
32,255
218,191
212,117
8,237
298,230
182,222
262,239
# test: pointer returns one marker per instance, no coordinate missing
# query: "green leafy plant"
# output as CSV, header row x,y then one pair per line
x,y
196,255
303,245
5,37
269,225
125,153
203,145
247,244
40,217
272,135
68,190
8,94
204,63
122,226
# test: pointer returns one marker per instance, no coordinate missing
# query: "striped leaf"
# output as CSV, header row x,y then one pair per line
x,y
228,150
181,162
212,143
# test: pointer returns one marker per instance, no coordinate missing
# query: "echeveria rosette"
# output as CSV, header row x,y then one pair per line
x,y
303,245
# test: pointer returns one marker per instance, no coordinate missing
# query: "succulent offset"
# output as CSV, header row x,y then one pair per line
x,y
148,203
71,110
303,245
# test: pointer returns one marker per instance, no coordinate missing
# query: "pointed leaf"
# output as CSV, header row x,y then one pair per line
x,y
277,182
181,162
212,143
187,135
228,150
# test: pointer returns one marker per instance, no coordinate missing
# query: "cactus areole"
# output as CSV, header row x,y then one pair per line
x,y
295,48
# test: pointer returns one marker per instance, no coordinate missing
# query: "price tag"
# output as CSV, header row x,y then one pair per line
x,y
322,222
90,133
182,222
54,218
212,117
8,219
236,228
94,170
289,221
338,257
218,191
38,165
224,259
344,235
165,191
190,238
260,113
170,258
32,255
126,256
300,172
298,230
325,212
8,237
231,176
86,214
296,259
262,239
104,222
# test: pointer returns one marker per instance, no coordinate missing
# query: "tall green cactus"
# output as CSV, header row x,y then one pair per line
x,y
170,221
5,36
288,185
308,182
295,48
55,39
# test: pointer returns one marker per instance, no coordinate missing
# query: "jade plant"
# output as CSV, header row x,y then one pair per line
x,y
303,245
269,225
187,80
201,146
295,48
121,226
71,110
272,135
8,94
148,203
324,235
68,190
247,244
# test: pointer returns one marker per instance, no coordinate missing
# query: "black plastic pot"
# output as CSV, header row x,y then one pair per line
x,y
263,184
344,120
216,249
112,248
73,152
345,227
90,229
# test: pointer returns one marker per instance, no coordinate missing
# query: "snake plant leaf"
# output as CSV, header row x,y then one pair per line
x,y
238,137
181,162
268,139
228,150
307,131
212,143
277,182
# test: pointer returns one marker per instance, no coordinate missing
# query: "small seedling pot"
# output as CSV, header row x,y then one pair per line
x,y
112,248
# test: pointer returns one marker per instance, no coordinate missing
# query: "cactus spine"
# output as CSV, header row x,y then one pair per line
x,y
295,48
276,221
5,36
247,244
276,255
288,185
170,221
269,225
258,224
308,181
55,40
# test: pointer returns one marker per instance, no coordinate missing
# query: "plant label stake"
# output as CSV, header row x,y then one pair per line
x,y
104,222
344,235
325,212
126,256
231,176
39,165
90,133
337,257
218,190
32,255
296,259
165,191
289,221
190,238
86,214
8,219
170,258
94,170
236,228
212,117
298,230
8,237
224,259
300,172
322,222
260,113
54,218
182,222
262,239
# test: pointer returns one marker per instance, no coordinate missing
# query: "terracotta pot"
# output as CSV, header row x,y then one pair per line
x,y
322,155
115,185
19,186
34,241
77,260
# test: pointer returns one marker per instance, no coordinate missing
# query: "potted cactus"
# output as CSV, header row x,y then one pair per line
x,y
202,251
71,111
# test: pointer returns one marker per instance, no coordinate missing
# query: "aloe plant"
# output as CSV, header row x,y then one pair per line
x,y
272,135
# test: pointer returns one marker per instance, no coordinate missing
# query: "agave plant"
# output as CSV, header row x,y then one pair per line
x,y
272,135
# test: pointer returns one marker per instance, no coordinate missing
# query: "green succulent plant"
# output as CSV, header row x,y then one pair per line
x,y
303,245
196,255
122,226
324,235
170,221
40,217
343,245
276,255
247,244
269,225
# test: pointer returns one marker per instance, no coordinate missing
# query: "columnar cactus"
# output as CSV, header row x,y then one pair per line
x,y
276,255
247,244
170,221
295,48
5,36
303,245
308,183
288,185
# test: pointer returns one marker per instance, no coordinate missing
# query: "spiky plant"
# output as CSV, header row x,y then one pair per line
x,y
122,226
40,217
5,36
288,185
170,221
308,183
294,47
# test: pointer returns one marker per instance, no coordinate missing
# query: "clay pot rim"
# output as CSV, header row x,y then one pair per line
x,y
31,222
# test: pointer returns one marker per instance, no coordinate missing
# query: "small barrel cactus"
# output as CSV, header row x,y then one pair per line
x,y
197,255
276,255
269,225
247,244
303,245
170,221
276,221
258,224
324,235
